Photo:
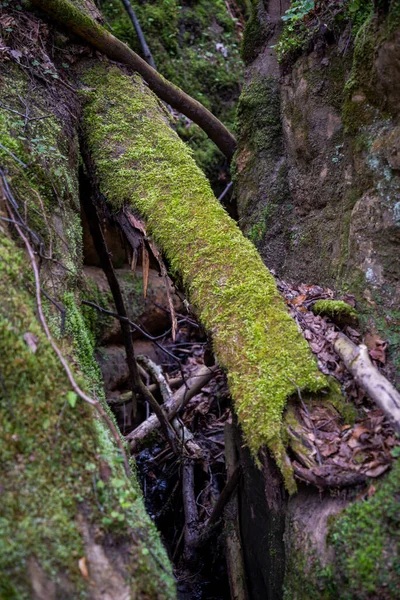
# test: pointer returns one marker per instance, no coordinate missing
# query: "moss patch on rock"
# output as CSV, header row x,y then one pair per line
x,y
141,161
338,311
366,541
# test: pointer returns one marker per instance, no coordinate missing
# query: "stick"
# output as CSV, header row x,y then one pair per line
x,y
107,266
225,496
378,388
191,534
181,397
65,13
175,429
139,32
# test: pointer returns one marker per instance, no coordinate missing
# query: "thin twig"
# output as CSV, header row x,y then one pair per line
x,y
13,156
106,263
140,330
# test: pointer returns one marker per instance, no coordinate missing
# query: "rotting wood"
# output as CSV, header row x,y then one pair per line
x,y
76,21
378,388
233,543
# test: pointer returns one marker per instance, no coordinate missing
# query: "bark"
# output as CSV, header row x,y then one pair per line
x,y
65,13
233,541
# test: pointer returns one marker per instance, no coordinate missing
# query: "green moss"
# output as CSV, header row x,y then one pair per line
x,y
360,99
48,187
259,229
83,342
337,310
363,544
141,161
182,37
255,33
53,454
258,116
366,541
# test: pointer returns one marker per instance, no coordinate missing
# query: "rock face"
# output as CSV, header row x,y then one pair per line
x,y
318,191
318,176
150,313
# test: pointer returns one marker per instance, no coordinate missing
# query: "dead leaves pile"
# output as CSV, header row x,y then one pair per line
x,y
329,452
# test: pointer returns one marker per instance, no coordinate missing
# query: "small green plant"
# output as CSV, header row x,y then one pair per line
x,y
298,10
295,33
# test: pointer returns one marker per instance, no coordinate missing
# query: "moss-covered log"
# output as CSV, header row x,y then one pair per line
x,y
72,525
140,161
83,25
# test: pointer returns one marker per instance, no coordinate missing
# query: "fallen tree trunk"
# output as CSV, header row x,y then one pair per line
x,y
378,388
65,13
138,160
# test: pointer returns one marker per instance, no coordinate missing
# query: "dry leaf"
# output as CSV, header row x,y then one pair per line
x,y
83,567
377,471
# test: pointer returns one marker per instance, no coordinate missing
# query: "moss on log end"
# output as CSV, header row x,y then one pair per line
x,y
141,161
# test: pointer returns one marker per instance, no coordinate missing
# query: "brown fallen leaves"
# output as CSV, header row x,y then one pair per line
x,y
328,452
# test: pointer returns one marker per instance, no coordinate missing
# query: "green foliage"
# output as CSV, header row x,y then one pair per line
x,y
299,30
298,10
259,229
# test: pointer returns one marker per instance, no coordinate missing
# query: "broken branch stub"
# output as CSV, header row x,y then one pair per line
x,y
378,388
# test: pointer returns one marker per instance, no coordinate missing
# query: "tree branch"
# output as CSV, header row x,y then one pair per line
x,y
181,397
378,388
139,32
65,13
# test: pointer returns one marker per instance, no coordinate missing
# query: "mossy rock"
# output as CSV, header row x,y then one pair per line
x,y
337,311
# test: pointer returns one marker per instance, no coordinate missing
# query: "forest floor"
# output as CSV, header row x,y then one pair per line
x,y
333,450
